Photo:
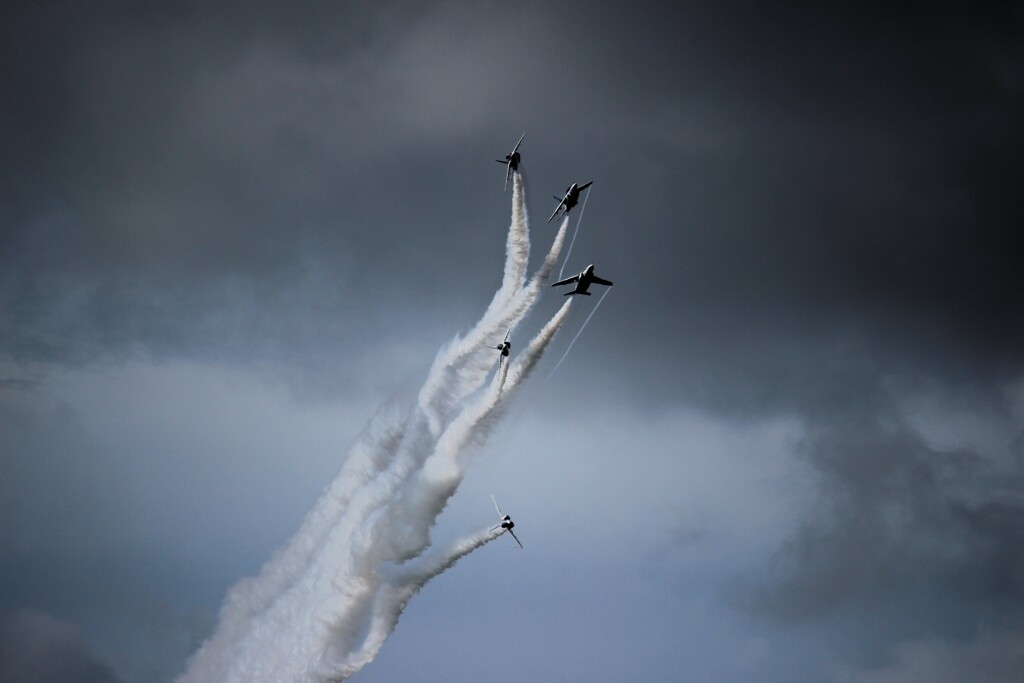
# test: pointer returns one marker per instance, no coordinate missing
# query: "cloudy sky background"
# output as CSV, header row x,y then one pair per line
x,y
789,445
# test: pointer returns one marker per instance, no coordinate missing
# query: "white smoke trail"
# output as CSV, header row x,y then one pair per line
x,y
528,360
320,608
435,484
518,243
368,456
527,296
396,592
459,365
376,445
444,374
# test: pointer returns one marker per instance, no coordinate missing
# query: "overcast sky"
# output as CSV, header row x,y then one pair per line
x,y
788,446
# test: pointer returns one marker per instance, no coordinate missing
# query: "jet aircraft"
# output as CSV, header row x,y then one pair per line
x,y
572,195
583,281
511,160
506,522
505,346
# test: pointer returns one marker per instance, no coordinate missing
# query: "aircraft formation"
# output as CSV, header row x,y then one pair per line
x,y
582,281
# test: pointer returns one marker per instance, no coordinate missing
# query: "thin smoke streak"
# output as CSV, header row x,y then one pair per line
x,y
574,233
582,327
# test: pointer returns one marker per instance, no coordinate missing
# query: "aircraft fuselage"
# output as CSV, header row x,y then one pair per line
x,y
583,282
572,196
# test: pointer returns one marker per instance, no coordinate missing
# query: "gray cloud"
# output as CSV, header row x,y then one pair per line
x,y
37,648
996,656
898,521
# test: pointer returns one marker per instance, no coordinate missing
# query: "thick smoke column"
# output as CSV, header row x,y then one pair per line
x,y
323,606
395,592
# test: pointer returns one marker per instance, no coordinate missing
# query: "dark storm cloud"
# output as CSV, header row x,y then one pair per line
x,y
187,172
866,188
896,520
803,210
869,239
137,214
784,175
850,225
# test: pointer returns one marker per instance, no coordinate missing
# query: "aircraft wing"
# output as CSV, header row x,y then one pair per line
x,y
566,281
560,205
600,281
520,142
583,187
508,169
515,537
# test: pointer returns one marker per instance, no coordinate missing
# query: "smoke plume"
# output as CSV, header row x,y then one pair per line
x,y
323,606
